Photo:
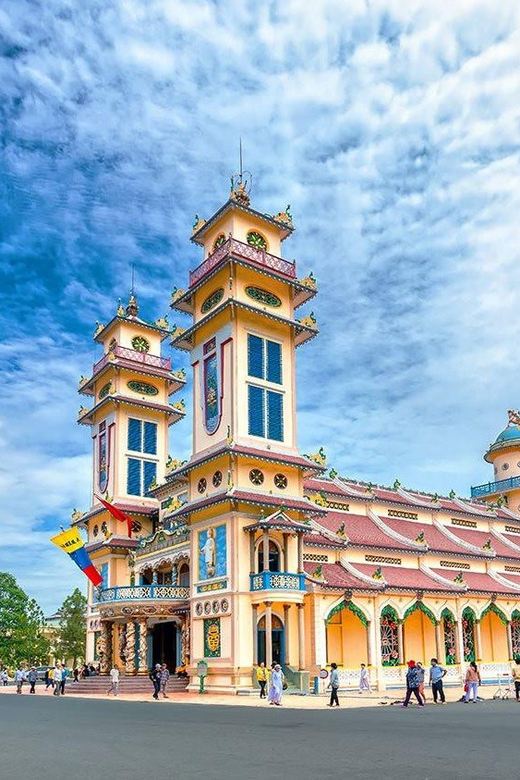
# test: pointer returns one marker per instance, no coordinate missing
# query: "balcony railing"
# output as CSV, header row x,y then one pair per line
x,y
241,250
277,580
143,358
495,487
143,593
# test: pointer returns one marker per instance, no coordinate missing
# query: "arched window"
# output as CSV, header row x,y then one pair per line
x,y
184,575
274,557
389,637
449,632
468,633
276,623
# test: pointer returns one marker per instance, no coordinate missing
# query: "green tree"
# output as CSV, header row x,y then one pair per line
x,y
21,626
72,634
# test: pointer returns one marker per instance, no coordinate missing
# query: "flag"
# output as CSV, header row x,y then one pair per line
x,y
71,542
118,514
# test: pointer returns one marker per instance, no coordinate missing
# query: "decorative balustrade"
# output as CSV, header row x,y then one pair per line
x,y
247,252
274,580
495,487
154,361
142,593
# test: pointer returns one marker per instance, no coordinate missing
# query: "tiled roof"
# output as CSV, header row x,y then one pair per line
x,y
131,509
336,576
434,538
479,539
360,530
314,485
402,578
477,581
113,542
277,521
512,538
319,540
514,578
260,499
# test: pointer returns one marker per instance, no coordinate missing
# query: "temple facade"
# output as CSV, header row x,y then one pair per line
x,y
250,550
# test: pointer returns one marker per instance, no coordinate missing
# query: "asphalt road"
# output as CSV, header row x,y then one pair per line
x,y
84,739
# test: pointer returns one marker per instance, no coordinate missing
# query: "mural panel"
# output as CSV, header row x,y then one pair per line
x,y
212,552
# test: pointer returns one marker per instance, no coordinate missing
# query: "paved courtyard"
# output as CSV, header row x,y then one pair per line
x,y
54,739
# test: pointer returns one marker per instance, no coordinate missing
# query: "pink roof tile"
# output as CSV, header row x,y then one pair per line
x,y
320,540
434,538
479,539
399,577
360,530
336,576
476,581
512,538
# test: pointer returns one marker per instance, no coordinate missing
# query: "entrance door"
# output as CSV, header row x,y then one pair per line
x,y
164,644
277,641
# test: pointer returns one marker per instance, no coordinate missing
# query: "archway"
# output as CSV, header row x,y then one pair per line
x,y
389,637
449,632
468,634
419,633
277,642
274,556
346,635
493,634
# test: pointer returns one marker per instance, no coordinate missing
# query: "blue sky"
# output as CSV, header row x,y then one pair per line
x,y
391,128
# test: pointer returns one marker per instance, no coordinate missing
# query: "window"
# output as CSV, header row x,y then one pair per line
x,y
264,359
265,413
140,474
142,436
184,576
274,557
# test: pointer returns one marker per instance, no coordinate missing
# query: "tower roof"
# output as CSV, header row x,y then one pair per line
x,y
509,438
282,220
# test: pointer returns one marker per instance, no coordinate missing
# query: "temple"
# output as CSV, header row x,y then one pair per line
x,y
251,550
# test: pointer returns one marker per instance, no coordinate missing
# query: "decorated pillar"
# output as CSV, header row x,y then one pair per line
x,y
400,640
287,635
155,575
142,667
105,647
460,642
438,642
185,641
509,640
301,637
252,566
478,641
370,641
285,552
300,553
130,667
121,642
265,548
268,634
255,633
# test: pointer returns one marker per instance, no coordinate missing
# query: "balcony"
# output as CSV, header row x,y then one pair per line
x,y
277,580
131,355
142,593
491,488
245,252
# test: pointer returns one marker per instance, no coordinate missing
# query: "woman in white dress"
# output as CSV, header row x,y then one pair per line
x,y
276,686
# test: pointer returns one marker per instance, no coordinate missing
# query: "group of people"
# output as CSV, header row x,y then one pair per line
x,y
56,679
274,680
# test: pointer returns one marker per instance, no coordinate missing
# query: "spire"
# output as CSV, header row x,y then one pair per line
x,y
241,183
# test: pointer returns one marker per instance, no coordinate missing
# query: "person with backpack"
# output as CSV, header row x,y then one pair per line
x,y
333,685
412,684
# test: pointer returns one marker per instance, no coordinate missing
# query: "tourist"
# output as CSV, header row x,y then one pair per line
x,y
261,676
436,674
114,681
155,677
32,677
19,677
515,673
4,677
64,676
165,676
472,682
182,672
85,672
421,672
57,679
92,670
49,678
76,674
412,685
333,685
276,686
364,679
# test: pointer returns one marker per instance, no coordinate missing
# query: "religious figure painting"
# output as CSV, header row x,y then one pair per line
x,y
212,552
211,394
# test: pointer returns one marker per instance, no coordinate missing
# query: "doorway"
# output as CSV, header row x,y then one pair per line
x,y
164,644
277,641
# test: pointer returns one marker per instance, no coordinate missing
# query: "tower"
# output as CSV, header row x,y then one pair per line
x,y
504,454
130,386
246,510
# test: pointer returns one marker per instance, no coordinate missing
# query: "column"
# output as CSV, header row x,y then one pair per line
x,y
130,667
300,553
105,650
285,552
255,633
268,635
370,639
509,641
460,642
155,575
266,550
400,640
252,567
301,637
438,643
478,641
143,647
287,636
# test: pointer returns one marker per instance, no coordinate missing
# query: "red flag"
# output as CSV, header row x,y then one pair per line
x,y
118,514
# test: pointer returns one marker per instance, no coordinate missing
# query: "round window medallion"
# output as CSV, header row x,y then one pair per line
x,y
142,387
215,606
140,344
220,239
256,239
104,390
224,605
95,530
201,487
256,476
198,609
505,466
280,480
217,478
263,296
212,300
112,345
207,607
104,527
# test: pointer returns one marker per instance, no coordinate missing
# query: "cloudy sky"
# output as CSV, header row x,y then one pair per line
x,y
391,128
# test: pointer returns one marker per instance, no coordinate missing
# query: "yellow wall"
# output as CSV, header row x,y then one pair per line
x,y
494,638
419,638
346,640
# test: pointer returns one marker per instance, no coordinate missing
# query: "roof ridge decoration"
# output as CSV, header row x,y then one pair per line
x,y
505,540
454,538
467,507
318,457
502,580
333,536
413,499
509,512
440,579
340,482
395,534
378,583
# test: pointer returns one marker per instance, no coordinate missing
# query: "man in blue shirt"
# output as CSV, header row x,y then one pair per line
x,y
436,674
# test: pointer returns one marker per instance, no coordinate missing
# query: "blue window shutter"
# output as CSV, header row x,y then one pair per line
x,y
150,470
274,416
133,482
150,438
255,356
134,435
256,411
274,362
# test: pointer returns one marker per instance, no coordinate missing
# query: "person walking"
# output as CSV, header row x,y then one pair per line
x,y
276,686
19,677
165,676
515,674
436,674
155,677
4,677
473,680
333,685
364,679
64,676
76,674
49,678
56,678
421,672
114,681
32,677
261,676
412,685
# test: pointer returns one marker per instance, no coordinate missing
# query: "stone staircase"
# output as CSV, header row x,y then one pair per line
x,y
100,684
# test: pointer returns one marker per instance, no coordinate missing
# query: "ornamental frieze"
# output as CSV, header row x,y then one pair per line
x,y
138,610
